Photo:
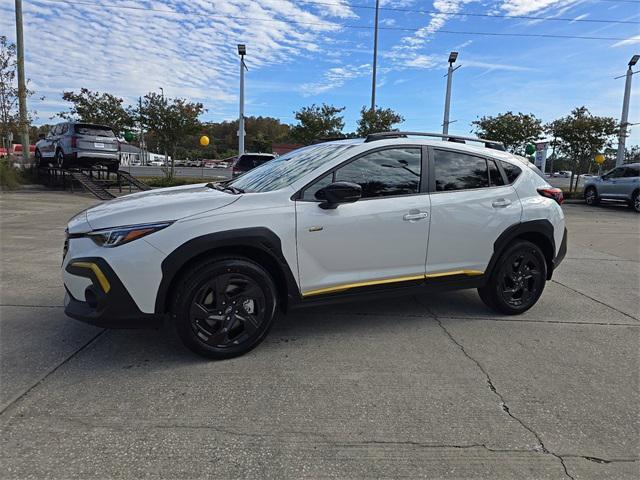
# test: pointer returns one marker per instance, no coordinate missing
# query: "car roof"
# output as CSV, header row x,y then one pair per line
x,y
429,142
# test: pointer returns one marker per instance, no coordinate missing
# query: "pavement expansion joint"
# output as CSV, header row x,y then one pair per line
x,y
597,301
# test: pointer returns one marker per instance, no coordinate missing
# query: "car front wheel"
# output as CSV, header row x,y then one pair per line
x,y
591,196
517,280
635,201
224,307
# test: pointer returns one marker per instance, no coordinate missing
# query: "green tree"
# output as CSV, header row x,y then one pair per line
x,y
378,120
96,107
580,137
316,122
515,130
170,121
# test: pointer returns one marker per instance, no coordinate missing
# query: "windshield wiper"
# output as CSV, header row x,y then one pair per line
x,y
225,188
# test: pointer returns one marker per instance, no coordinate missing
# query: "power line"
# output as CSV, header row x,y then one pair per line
x,y
486,15
359,27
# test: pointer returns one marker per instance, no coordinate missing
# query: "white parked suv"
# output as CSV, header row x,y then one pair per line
x,y
394,213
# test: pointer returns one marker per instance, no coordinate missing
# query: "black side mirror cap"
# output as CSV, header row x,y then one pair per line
x,y
338,192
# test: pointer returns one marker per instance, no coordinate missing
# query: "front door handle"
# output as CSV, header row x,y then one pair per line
x,y
411,217
501,203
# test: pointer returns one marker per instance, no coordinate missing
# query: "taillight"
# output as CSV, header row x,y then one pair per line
x,y
553,193
74,142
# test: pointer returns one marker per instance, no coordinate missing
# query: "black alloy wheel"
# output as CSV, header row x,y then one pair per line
x,y
591,196
60,159
225,307
635,201
518,279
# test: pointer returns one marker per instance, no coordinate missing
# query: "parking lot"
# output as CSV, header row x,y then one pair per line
x,y
432,386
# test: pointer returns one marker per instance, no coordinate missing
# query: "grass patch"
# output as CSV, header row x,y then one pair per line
x,y
11,177
162,182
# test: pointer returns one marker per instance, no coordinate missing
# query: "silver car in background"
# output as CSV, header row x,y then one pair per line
x,y
79,145
620,184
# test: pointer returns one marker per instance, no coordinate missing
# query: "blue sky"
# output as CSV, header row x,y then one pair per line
x,y
303,52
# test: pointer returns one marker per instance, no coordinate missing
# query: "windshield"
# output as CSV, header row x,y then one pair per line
x,y
96,130
283,171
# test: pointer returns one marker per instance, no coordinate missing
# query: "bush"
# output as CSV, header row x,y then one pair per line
x,y
10,176
162,182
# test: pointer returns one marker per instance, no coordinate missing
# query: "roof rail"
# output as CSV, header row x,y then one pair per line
x,y
451,138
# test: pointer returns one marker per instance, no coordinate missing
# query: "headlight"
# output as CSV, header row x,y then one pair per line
x,y
113,237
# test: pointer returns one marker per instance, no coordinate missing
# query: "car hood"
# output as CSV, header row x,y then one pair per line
x,y
157,205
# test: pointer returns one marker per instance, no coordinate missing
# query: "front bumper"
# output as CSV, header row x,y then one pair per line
x,y
107,303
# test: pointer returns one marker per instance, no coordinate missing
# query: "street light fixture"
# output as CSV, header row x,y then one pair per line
x,y
453,56
624,118
242,51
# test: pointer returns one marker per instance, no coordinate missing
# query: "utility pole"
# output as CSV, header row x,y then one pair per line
x,y
447,101
624,119
22,85
242,51
375,58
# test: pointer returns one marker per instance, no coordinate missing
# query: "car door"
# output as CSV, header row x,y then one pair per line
x,y
629,181
609,183
379,239
472,203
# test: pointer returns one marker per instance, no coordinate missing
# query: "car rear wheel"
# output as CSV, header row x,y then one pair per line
x,y
225,307
59,159
591,196
518,279
635,201
37,159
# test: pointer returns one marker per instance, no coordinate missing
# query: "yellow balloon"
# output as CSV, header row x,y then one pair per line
x,y
204,140
599,159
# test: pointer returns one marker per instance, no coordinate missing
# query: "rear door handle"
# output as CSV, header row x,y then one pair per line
x,y
501,203
410,217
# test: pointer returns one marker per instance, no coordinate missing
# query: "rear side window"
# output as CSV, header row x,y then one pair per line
x,y
458,171
251,161
632,171
512,171
93,130
385,173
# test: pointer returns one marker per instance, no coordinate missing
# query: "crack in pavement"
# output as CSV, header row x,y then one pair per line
x,y
596,300
503,405
51,372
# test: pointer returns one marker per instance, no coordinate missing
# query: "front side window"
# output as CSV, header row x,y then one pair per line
x,y
615,173
384,173
283,171
459,171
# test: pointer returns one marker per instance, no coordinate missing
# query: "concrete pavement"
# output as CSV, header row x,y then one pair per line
x,y
433,386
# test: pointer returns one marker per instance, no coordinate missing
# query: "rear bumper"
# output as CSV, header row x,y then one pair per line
x,y
108,303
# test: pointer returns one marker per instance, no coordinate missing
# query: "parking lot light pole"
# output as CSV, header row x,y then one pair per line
x,y
624,119
242,51
375,58
447,101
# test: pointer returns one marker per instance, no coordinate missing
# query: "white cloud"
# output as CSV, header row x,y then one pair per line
x,y
629,41
190,52
335,77
524,7
490,66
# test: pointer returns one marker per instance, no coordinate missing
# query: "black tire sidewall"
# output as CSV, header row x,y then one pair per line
x,y
492,289
59,159
194,279
634,199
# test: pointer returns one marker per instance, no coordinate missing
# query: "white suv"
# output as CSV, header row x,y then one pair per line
x,y
393,213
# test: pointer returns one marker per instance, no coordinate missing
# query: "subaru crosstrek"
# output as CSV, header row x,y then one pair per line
x,y
393,213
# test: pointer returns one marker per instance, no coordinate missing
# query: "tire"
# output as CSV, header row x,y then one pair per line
x,y
224,307
37,159
591,196
635,201
59,159
517,280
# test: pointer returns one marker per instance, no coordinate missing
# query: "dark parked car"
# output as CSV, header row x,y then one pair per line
x,y
249,161
79,145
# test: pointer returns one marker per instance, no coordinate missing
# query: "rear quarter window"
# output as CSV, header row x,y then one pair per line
x,y
512,171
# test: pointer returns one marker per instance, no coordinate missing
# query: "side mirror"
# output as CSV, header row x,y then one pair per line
x,y
337,193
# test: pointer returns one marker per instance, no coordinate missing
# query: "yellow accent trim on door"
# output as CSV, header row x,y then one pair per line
x,y
348,286
104,283
471,273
